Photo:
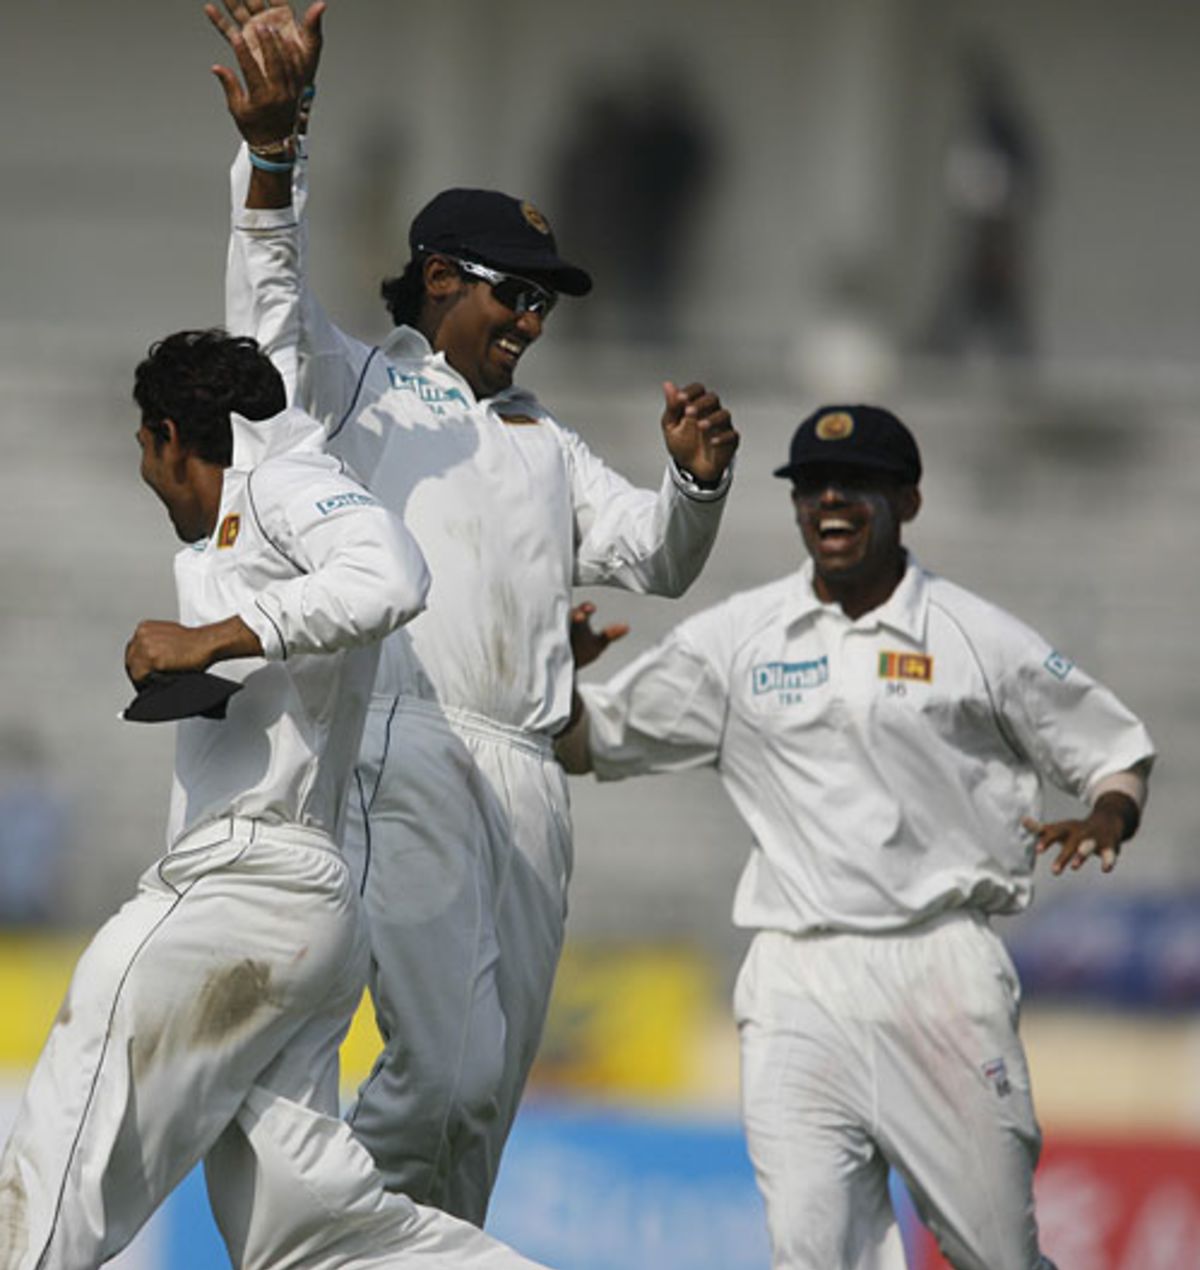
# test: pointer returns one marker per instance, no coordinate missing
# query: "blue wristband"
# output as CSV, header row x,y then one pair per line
x,y
269,165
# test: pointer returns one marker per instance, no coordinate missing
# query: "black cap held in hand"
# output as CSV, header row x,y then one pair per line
x,y
857,436
495,229
183,694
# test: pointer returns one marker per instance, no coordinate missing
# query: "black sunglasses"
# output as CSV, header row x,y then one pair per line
x,y
513,291
813,481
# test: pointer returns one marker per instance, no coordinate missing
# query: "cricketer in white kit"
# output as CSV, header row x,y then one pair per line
x,y
460,828
203,1020
884,734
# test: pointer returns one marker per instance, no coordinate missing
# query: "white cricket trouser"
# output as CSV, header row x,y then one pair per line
x,y
204,1020
461,835
860,1051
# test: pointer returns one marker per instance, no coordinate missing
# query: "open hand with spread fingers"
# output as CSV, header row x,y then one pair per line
x,y
278,57
587,644
1113,819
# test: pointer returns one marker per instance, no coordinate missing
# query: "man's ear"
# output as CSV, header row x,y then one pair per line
x,y
171,441
441,277
162,432
908,503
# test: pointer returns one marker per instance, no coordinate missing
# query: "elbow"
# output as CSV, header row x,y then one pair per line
x,y
673,581
406,597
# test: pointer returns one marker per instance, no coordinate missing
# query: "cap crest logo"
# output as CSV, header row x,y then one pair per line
x,y
836,426
534,218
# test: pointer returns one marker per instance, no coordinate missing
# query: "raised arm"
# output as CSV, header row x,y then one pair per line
x,y
267,294
699,433
656,542
278,56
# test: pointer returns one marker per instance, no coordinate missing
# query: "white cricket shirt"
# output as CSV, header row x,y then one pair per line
x,y
321,572
510,507
883,765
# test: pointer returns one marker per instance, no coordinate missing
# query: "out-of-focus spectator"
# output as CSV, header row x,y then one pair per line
x,y
34,831
991,186
590,180
671,158
629,180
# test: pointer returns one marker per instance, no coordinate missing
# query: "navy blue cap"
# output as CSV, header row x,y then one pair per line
x,y
167,695
859,436
497,230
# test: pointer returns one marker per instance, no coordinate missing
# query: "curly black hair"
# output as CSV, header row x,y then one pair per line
x,y
403,295
197,378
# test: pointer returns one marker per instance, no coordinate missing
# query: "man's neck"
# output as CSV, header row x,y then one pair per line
x,y
208,483
857,596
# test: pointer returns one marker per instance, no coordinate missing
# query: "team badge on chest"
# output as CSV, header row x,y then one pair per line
x,y
916,666
227,534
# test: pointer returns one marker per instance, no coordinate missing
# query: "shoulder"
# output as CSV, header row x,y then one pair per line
x,y
523,406
993,633
735,623
297,467
308,482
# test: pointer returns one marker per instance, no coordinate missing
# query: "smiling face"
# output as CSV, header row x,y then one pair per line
x,y
481,338
850,519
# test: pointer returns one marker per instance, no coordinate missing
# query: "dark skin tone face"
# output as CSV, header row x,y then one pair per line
x,y
481,338
850,519
189,488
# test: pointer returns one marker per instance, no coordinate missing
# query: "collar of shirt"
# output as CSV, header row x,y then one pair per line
x,y
255,440
407,344
904,611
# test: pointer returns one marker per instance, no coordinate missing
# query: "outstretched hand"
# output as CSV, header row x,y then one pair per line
x,y
586,643
277,55
699,433
1100,834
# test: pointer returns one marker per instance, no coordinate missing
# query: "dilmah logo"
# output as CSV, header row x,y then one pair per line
x,y
995,1071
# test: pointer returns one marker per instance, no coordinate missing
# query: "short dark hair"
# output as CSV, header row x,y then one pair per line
x,y
197,378
404,295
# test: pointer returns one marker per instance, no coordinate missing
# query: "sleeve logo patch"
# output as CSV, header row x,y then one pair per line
x,y
790,677
228,532
352,498
918,666
1059,665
